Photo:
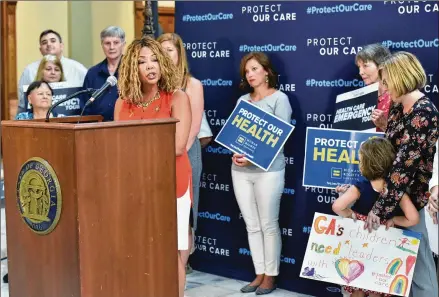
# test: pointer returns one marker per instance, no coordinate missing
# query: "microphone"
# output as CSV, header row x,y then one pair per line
x,y
111,81
88,90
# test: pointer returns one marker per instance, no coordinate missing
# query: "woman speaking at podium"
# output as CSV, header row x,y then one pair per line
x,y
257,192
148,89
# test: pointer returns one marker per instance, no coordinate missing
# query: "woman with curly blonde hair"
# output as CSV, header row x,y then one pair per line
x,y
148,89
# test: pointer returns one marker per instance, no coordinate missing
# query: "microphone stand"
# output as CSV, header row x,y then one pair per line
x,y
88,90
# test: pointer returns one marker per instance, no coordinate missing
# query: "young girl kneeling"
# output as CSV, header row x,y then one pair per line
x,y
376,159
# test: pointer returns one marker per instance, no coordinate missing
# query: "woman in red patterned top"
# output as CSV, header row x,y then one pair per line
x,y
412,129
368,61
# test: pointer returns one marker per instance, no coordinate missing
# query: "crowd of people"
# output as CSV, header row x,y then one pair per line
x,y
154,81
398,170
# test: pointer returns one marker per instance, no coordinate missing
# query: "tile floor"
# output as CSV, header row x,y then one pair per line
x,y
199,284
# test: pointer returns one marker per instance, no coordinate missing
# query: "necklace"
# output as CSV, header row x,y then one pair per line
x,y
148,103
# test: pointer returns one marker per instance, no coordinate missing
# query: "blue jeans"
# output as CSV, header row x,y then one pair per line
x,y
196,164
424,282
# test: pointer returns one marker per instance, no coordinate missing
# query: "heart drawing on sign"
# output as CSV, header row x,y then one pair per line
x,y
349,270
409,262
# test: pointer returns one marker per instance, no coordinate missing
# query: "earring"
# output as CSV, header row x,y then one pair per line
x,y
266,78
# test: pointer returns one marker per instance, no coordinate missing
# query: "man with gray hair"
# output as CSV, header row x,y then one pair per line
x,y
113,43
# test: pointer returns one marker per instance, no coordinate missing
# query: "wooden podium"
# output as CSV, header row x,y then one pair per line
x,y
116,233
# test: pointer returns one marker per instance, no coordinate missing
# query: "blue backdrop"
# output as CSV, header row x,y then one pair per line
x,y
312,46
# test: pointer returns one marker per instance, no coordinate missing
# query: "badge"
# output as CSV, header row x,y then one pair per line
x,y
39,196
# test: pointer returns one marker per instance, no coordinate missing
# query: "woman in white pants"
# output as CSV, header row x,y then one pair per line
x,y
257,192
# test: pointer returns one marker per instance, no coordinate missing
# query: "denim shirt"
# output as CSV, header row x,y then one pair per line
x,y
27,115
24,116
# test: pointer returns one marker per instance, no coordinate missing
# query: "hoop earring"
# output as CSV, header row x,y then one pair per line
x,y
266,78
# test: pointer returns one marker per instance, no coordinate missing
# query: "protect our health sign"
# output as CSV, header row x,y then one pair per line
x,y
340,251
254,133
331,156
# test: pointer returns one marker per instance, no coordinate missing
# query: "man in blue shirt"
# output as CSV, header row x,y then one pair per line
x,y
113,43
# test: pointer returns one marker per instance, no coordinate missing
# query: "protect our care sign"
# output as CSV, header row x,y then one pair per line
x,y
331,156
254,133
62,90
340,251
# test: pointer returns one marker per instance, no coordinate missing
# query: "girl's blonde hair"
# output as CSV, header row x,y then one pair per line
x,y
376,156
182,65
53,59
129,82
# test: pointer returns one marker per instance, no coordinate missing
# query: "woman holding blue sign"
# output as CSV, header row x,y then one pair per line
x,y
49,71
40,98
258,192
